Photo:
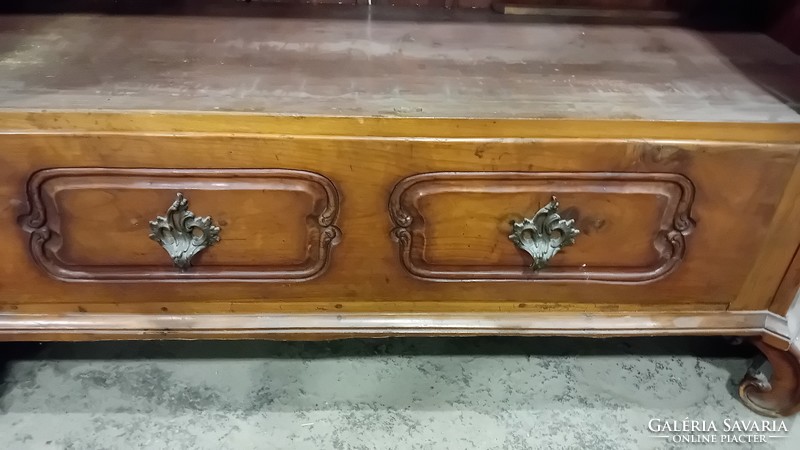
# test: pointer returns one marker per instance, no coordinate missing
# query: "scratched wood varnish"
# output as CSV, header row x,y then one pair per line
x,y
393,67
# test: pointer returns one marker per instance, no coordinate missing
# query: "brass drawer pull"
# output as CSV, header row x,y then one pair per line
x,y
182,234
543,235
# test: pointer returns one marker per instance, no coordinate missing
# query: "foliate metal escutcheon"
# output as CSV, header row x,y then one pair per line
x,y
544,235
182,234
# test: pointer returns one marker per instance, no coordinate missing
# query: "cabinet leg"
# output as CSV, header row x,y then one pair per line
x,y
778,395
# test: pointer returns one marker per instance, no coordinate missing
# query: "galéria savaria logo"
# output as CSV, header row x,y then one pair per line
x,y
726,431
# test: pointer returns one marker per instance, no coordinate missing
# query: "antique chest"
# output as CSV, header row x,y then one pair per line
x,y
242,171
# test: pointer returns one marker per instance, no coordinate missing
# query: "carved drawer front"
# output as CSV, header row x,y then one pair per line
x,y
102,224
583,226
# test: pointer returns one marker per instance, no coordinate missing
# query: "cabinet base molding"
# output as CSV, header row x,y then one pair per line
x,y
78,327
778,395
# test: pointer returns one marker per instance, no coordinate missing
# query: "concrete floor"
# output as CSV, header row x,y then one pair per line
x,y
468,393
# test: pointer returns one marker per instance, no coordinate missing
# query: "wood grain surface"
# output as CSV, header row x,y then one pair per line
x,y
365,266
327,326
456,225
397,67
87,224
364,171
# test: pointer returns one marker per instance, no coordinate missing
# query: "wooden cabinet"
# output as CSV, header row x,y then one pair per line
x,y
274,182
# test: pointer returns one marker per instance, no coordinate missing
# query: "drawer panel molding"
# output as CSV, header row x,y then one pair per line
x,y
93,224
426,210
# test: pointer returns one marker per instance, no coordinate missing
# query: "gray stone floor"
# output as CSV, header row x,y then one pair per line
x,y
467,393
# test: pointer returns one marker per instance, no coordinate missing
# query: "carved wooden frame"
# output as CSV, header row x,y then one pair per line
x,y
670,244
42,228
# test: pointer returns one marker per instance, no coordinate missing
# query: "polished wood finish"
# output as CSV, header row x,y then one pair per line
x,y
778,395
312,325
87,224
789,289
782,240
455,225
188,124
354,203
365,171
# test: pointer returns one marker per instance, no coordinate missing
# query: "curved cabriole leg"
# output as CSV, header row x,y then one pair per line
x,y
778,395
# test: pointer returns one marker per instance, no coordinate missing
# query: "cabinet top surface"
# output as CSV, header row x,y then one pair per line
x,y
407,68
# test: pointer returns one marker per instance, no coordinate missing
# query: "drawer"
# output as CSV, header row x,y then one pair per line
x,y
626,227
663,224
99,224
343,224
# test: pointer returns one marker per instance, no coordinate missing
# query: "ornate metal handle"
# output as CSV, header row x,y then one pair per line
x,y
182,234
543,235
